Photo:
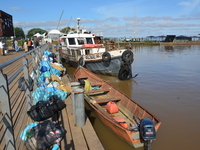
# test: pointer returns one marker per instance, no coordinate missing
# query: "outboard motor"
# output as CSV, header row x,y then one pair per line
x,y
147,132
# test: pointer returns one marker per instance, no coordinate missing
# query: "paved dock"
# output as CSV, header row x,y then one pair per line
x,y
76,138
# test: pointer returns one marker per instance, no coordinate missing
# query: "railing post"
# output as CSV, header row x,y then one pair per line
x,y
74,85
80,107
58,57
35,70
6,112
26,77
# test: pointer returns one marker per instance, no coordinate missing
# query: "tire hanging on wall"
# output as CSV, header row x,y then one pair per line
x,y
81,62
127,56
125,72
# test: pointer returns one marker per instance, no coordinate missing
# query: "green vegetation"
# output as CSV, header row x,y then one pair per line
x,y
19,33
34,31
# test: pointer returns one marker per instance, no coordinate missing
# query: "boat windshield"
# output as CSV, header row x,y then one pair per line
x,y
80,41
89,40
71,41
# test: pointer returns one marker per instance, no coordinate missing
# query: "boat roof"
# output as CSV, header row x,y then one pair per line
x,y
77,35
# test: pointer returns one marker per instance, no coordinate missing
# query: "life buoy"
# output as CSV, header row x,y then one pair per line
x,y
81,62
125,73
127,56
106,57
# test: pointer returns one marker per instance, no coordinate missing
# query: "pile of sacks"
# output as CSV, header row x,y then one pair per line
x,y
49,80
47,101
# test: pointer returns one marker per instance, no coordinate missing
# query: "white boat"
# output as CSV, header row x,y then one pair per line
x,y
86,49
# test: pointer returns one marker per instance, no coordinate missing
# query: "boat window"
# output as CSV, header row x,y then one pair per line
x,y
64,40
73,53
87,51
80,41
89,40
71,41
78,52
98,40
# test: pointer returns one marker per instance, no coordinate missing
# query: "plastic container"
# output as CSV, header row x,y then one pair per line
x,y
29,133
112,108
121,121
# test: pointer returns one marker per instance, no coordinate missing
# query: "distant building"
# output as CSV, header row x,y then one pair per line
x,y
174,38
182,38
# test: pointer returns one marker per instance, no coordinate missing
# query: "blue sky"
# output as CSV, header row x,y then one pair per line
x,y
111,18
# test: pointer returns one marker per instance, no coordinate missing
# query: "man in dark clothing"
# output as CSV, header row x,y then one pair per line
x,y
29,44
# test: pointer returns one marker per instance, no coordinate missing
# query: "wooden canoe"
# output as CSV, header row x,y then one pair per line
x,y
102,93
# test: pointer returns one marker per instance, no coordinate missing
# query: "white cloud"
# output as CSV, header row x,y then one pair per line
x,y
190,5
15,8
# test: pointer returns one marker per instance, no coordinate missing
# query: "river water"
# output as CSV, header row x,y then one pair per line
x,y
168,85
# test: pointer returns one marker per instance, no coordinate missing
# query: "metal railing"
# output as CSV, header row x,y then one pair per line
x,y
13,102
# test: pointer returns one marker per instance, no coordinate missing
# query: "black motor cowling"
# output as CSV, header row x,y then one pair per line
x,y
147,129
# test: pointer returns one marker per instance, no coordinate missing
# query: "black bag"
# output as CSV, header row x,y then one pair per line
x,y
45,135
43,110
53,56
22,84
57,103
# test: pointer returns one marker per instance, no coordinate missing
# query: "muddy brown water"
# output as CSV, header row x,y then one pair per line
x,y
168,85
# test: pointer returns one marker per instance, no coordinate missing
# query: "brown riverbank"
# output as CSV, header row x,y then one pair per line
x,y
181,43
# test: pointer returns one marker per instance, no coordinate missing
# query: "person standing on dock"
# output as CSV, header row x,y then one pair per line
x,y
25,46
29,45
1,48
16,46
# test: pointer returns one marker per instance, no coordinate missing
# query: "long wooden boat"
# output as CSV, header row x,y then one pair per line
x,y
132,122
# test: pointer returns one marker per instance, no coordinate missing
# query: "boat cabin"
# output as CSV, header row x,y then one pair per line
x,y
79,44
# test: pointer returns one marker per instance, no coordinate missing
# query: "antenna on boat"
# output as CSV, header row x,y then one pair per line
x,y
78,27
60,19
68,24
134,22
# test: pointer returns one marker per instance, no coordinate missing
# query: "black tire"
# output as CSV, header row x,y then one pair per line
x,y
106,57
127,56
81,62
125,73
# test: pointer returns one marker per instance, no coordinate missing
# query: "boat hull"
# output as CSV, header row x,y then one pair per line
x,y
98,66
121,133
128,109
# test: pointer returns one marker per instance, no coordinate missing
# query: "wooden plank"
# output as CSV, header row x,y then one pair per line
x,y
93,92
67,142
107,100
78,138
92,139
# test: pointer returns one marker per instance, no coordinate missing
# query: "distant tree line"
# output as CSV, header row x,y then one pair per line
x,y
19,32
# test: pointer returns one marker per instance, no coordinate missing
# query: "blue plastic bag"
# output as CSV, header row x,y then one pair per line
x,y
43,69
46,74
23,133
47,53
41,79
45,63
55,71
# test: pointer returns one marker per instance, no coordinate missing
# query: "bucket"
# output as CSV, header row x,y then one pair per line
x,y
6,51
